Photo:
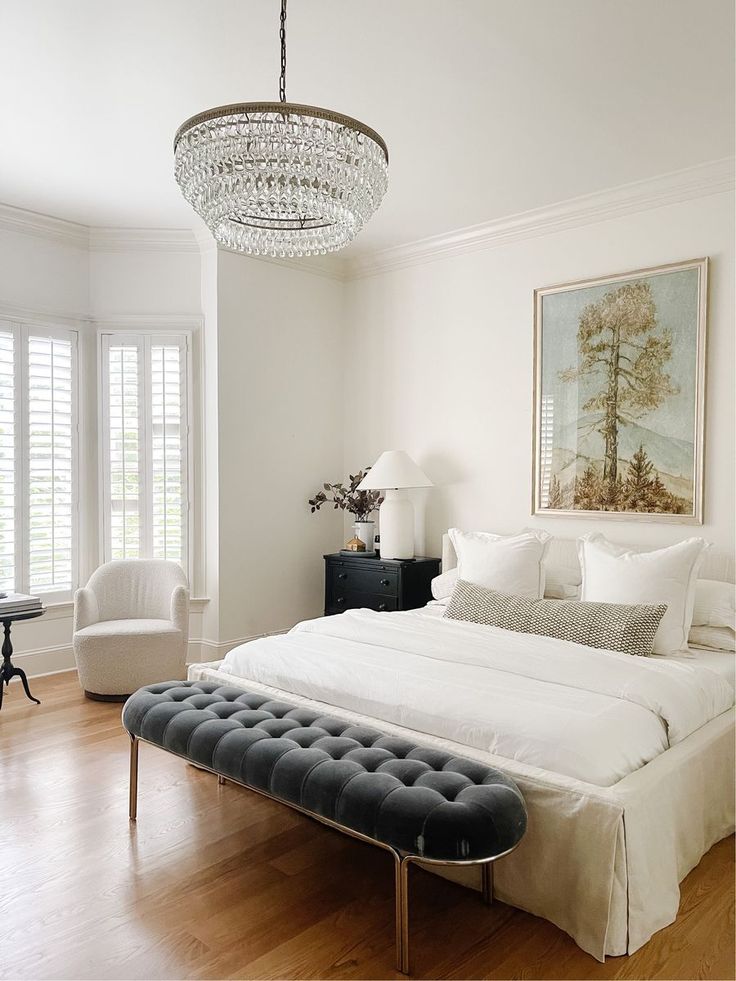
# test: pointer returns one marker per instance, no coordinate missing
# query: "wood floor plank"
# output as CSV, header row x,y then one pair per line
x,y
216,882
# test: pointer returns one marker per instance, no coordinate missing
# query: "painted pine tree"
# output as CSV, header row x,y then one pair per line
x,y
642,489
623,351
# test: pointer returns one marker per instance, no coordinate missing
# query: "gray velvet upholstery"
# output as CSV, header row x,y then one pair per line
x,y
417,800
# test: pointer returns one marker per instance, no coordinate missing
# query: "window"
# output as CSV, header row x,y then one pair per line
x,y
38,479
145,434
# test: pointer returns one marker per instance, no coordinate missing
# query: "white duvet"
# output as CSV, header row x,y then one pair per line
x,y
590,714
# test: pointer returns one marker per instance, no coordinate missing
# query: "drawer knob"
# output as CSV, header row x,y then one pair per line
x,y
340,600
342,575
381,607
385,582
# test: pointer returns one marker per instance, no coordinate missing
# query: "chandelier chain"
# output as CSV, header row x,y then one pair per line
x,y
282,37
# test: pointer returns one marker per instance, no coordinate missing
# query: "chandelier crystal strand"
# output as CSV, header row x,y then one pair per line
x,y
278,178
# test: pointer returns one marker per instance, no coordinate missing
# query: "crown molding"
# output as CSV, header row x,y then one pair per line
x,y
172,240
146,323
50,229
43,316
714,177
93,239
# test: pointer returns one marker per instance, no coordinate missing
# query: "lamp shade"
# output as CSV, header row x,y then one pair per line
x,y
394,469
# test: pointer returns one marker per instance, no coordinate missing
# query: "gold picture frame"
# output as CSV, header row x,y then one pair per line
x,y
619,395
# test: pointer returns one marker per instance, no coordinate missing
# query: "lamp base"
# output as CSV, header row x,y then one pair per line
x,y
396,523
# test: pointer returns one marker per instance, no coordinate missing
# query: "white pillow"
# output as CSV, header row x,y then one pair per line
x,y
555,586
715,604
561,582
612,574
443,584
507,563
713,638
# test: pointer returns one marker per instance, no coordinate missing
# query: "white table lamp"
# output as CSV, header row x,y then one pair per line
x,y
393,472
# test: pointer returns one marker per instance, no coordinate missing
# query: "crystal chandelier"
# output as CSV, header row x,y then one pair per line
x,y
280,179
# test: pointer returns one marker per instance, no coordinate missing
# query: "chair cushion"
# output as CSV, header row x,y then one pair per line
x,y
127,653
117,628
416,799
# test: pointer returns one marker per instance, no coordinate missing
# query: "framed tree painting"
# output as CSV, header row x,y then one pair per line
x,y
619,395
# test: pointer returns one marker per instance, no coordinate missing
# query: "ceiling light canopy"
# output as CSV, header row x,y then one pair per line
x,y
278,178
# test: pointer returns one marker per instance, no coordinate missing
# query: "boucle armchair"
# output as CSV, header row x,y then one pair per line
x,y
131,627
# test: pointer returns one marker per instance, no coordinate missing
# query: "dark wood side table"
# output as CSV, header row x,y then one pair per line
x,y
8,669
377,584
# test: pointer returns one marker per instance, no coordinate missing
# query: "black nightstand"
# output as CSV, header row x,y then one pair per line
x,y
378,584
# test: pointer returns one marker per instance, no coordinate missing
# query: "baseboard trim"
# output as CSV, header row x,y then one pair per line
x,y
214,650
45,660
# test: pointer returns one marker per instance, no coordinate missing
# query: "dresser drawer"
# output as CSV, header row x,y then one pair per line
x,y
377,584
355,600
348,578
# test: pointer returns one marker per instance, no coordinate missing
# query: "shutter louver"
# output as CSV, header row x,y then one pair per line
x,y
50,421
7,462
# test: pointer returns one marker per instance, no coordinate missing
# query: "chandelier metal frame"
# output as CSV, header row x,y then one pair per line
x,y
286,108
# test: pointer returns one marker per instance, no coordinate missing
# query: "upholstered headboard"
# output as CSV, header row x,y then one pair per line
x,y
563,552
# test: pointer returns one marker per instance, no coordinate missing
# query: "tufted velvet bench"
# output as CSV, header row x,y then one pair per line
x,y
421,804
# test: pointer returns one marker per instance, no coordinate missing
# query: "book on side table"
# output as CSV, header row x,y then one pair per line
x,y
11,604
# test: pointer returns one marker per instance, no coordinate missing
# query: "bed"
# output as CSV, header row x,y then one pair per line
x,y
626,764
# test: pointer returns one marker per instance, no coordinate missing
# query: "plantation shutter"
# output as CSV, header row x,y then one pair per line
x,y
50,440
145,446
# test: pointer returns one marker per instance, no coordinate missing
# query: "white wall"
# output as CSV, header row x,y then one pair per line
x,y
209,537
280,418
43,275
451,342
158,284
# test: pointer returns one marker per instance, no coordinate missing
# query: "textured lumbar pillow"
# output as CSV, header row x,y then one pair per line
x,y
510,563
610,626
612,574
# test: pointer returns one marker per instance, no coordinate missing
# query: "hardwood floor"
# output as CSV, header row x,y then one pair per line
x,y
214,882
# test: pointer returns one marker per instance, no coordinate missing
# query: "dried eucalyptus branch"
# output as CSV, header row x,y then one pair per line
x,y
361,503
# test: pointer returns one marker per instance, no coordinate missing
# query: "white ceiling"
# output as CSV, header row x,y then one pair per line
x,y
489,107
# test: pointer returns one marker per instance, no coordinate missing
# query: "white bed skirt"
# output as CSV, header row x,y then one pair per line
x,y
603,864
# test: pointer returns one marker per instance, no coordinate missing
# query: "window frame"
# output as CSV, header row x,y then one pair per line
x,y
144,339
21,331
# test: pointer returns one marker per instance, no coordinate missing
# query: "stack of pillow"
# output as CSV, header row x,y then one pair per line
x,y
619,599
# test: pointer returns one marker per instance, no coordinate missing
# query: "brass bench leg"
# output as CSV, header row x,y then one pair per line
x,y
133,798
486,882
401,868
